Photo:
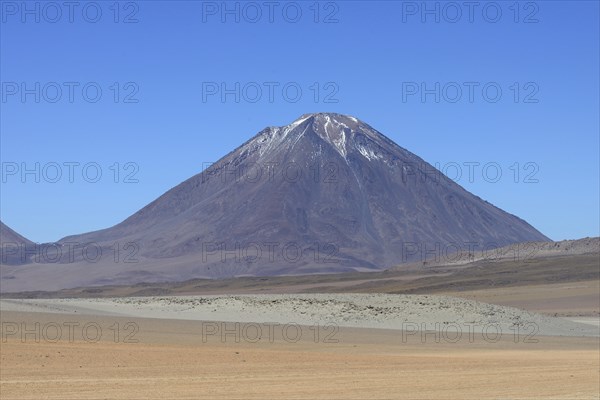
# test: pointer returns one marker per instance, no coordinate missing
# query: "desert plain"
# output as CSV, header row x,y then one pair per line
x,y
515,331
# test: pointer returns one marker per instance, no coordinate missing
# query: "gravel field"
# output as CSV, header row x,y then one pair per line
x,y
385,311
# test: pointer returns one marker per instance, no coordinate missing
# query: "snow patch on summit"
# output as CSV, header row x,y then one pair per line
x,y
339,142
297,122
368,153
268,141
338,130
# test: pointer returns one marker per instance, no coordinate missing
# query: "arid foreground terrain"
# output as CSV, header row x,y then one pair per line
x,y
501,329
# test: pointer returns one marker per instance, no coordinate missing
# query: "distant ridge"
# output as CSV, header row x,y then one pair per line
x,y
518,252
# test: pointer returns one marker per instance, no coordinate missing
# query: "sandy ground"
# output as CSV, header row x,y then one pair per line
x,y
296,346
168,359
189,345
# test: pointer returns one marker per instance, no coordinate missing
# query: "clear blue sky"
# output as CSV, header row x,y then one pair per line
x,y
368,56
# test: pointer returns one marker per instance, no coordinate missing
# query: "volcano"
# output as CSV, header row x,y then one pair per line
x,y
326,193
10,244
